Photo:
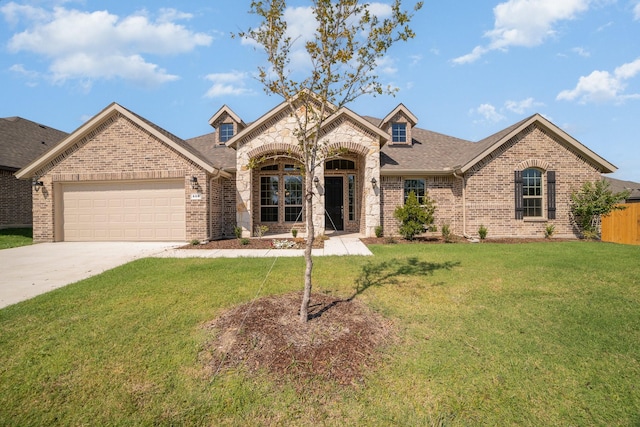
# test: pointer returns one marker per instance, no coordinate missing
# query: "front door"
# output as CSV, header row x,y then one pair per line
x,y
333,203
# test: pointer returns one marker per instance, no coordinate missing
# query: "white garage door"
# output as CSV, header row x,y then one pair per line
x,y
129,211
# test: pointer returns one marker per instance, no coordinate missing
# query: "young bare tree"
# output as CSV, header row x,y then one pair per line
x,y
348,42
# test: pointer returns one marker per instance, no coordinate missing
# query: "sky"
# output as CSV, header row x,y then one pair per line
x,y
473,68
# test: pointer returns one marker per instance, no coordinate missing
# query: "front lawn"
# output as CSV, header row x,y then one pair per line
x,y
488,334
14,237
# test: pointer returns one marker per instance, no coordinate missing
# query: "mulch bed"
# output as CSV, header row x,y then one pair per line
x,y
253,243
338,343
455,239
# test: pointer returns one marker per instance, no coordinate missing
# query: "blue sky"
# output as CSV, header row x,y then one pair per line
x,y
474,68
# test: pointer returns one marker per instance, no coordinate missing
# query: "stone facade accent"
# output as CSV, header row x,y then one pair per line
x,y
118,149
277,141
16,206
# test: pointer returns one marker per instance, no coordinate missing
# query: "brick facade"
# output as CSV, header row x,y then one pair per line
x,y
489,189
16,206
119,149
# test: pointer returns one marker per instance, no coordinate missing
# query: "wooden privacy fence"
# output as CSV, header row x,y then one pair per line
x,y
622,226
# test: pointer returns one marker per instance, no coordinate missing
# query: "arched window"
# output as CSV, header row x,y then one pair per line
x,y
531,190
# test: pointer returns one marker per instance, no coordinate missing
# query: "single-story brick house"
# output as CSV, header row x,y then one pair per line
x,y
21,142
121,177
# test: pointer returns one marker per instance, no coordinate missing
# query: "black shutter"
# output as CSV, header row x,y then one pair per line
x,y
551,195
518,195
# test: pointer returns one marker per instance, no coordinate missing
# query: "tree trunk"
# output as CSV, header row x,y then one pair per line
x,y
306,297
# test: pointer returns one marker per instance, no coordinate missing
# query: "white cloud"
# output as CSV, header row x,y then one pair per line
x,y
488,112
227,84
603,86
521,107
525,23
89,46
636,12
581,52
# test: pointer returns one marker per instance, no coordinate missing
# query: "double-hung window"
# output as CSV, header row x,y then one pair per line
x,y
269,198
532,192
292,198
226,132
418,188
398,132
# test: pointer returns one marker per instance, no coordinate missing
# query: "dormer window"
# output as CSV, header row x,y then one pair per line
x,y
226,132
399,132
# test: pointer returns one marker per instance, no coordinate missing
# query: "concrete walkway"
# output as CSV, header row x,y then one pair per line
x,y
339,245
32,270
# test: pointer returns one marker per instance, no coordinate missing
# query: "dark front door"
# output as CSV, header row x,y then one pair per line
x,y
333,203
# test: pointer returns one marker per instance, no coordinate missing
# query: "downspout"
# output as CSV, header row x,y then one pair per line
x,y
214,177
464,200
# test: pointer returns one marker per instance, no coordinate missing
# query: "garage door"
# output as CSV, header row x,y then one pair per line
x,y
130,211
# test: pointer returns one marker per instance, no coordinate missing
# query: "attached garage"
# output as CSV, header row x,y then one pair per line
x,y
121,211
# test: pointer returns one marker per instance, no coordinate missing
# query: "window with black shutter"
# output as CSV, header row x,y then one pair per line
x,y
551,195
518,194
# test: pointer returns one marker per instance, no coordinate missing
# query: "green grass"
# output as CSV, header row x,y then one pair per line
x,y
489,334
14,237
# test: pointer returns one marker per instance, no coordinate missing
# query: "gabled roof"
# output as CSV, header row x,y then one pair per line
x,y
22,141
221,112
485,147
345,112
283,107
400,109
168,138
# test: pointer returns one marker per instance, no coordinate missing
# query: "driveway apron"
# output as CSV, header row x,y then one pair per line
x,y
32,270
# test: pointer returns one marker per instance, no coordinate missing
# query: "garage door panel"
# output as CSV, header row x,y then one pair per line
x,y
128,211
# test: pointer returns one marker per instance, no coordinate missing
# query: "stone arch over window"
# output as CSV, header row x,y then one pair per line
x,y
534,163
276,148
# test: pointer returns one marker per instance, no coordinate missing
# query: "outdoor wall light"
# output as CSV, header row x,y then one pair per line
x,y
374,181
316,180
36,184
194,182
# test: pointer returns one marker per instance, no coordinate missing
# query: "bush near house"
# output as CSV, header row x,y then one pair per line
x,y
415,218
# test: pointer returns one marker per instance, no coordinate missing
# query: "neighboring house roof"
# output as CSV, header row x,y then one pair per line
x,y
22,141
617,186
167,137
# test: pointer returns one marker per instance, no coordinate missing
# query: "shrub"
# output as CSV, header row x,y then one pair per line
x,y
260,230
482,232
244,241
447,235
195,242
414,218
549,230
294,232
591,203
237,231
378,231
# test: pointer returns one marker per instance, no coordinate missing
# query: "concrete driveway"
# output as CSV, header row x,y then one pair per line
x,y
28,271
